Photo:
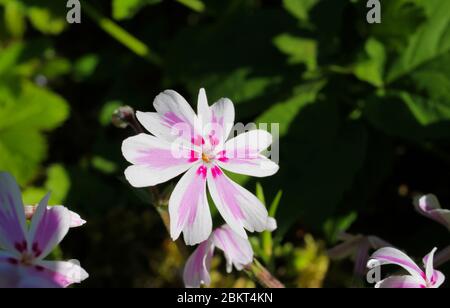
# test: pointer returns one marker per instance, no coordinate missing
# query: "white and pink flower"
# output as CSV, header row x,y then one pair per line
x,y
417,278
430,207
198,145
23,248
237,250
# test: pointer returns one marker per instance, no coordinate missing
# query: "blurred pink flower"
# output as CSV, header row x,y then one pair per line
x,y
182,141
430,207
75,219
417,278
356,247
23,249
237,251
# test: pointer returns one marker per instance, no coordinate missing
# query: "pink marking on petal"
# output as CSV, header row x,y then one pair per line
x,y
194,156
228,193
404,263
222,156
171,118
13,261
192,197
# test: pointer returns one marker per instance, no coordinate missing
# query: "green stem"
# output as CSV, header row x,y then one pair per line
x,y
259,273
121,35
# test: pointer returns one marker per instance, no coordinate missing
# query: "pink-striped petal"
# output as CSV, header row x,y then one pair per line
x,y
61,273
238,207
48,227
9,272
12,216
189,209
238,250
217,121
155,160
75,219
389,255
196,270
176,120
242,154
400,282
430,207
428,262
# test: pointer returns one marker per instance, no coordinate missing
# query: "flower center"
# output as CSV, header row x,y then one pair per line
x,y
206,157
26,259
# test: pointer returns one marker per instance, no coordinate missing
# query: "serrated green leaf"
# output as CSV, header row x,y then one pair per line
x,y
430,42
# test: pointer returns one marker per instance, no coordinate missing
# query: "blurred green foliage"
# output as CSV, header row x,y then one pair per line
x,y
363,109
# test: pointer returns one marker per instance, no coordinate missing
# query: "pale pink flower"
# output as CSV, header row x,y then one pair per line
x,y
237,250
430,207
24,248
182,141
356,247
75,219
417,278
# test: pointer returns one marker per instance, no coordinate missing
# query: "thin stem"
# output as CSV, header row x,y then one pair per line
x,y
259,273
121,35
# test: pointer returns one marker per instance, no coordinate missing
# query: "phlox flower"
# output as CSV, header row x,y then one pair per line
x,y
23,248
417,278
430,207
356,247
198,146
237,250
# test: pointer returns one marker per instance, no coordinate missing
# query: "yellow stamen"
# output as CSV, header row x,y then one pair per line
x,y
205,158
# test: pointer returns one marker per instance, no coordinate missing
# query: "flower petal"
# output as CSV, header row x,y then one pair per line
x,y
437,280
428,262
271,224
238,207
48,227
429,206
12,215
176,118
238,250
242,154
400,282
9,271
75,219
156,161
189,209
217,121
389,255
196,270
62,273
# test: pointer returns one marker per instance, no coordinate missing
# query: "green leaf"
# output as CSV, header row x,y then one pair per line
x,y
22,121
409,116
125,9
430,42
285,112
334,226
400,20
85,66
299,50
195,5
15,19
43,20
371,68
57,183
260,193
299,8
